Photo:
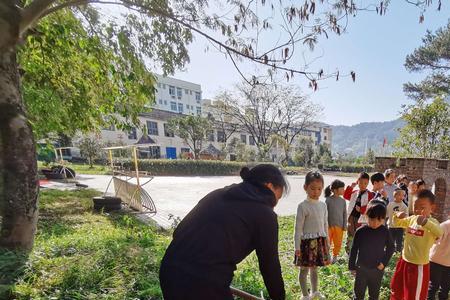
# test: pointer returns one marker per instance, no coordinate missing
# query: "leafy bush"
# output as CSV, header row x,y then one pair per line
x,y
179,167
346,168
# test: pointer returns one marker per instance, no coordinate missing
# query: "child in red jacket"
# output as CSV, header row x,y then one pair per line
x,y
356,210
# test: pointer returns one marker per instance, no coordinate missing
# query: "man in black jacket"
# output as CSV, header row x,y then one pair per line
x,y
219,232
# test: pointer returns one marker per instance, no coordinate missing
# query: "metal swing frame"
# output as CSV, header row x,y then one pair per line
x,y
132,194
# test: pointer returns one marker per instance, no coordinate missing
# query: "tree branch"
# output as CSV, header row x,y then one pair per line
x,y
32,13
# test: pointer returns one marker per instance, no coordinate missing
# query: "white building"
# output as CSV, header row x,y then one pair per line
x,y
175,97
178,96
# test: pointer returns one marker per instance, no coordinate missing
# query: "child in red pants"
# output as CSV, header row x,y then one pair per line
x,y
412,274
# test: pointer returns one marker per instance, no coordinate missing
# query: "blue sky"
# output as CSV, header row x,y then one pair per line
x,y
374,47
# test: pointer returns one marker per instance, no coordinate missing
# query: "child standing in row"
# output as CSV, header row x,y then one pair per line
x,y
412,273
357,206
390,186
440,266
372,249
337,215
395,207
310,236
377,181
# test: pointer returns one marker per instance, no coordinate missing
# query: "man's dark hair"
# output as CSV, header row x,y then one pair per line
x,y
420,182
402,177
363,175
377,177
426,194
376,210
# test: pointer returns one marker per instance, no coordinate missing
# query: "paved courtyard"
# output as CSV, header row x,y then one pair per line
x,y
178,195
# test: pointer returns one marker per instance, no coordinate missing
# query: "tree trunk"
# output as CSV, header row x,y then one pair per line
x,y
18,169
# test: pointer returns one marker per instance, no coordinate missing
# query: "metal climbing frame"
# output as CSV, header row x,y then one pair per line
x,y
131,193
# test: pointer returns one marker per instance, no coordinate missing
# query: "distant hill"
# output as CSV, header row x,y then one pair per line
x,y
352,139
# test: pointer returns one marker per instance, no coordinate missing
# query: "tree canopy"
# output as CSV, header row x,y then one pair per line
x,y
433,56
265,110
193,130
427,130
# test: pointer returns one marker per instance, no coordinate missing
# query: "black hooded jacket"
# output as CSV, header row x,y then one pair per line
x,y
221,230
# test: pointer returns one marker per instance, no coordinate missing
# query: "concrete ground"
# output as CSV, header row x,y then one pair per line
x,y
178,195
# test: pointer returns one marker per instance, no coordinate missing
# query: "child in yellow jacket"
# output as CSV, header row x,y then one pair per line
x,y
412,274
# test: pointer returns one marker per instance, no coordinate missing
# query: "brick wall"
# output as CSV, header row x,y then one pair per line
x,y
431,170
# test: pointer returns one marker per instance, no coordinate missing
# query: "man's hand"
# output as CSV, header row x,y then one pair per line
x,y
354,184
380,267
353,272
422,220
402,215
298,253
358,209
384,194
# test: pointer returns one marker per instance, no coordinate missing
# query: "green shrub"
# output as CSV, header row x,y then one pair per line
x,y
346,168
181,167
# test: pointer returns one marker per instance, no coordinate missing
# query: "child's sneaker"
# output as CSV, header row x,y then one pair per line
x,y
317,295
334,259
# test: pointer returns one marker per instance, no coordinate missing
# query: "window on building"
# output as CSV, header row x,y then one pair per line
x,y
180,107
187,106
150,152
244,138
211,136
190,92
173,106
198,96
171,90
199,110
165,102
186,91
179,92
132,134
167,131
152,128
251,140
164,86
325,138
160,101
220,136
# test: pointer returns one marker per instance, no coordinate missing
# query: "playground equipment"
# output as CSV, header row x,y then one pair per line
x,y
128,184
59,171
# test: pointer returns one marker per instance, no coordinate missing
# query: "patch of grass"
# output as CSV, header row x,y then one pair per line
x,y
95,170
82,255
82,168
